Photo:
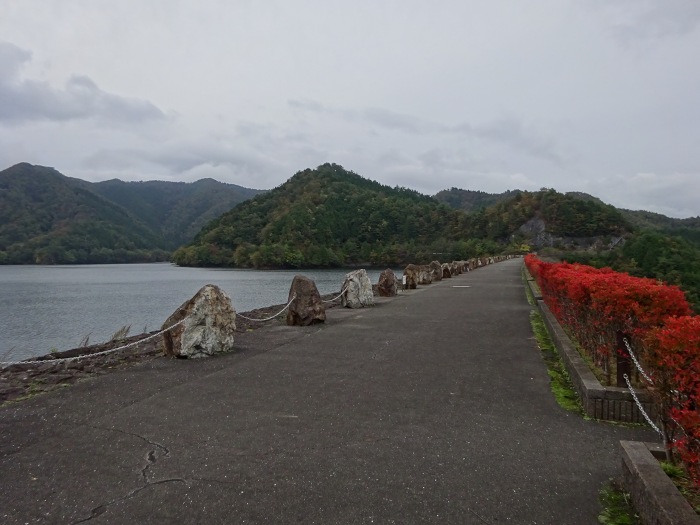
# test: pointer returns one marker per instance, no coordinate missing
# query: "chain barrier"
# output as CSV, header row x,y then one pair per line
x,y
636,362
4,364
336,298
639,405
271,317
651,382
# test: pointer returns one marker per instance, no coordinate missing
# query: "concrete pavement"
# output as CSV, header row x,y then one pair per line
x,y
431,407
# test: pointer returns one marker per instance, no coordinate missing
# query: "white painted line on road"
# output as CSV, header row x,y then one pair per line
x,y
461,286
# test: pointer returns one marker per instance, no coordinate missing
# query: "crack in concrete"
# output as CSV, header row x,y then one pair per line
x,y
215,481
100,509
151,459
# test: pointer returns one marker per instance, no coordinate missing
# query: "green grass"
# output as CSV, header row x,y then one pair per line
x,y
683,483
617,506
672,471
560,383
528,291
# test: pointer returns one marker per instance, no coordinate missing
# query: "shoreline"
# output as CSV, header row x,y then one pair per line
x,y
26,379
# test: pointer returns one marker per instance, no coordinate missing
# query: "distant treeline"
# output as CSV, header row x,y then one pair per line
x,y
332,217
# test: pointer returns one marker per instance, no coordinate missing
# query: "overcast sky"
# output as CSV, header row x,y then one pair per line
x,y
599,96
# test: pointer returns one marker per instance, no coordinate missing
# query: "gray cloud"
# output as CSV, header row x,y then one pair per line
x,y
399,121
659,19
307,105
30,100
570,94
515,134
511,132
187,161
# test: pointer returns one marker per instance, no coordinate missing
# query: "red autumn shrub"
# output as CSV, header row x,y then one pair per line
x,y
593,304
673,353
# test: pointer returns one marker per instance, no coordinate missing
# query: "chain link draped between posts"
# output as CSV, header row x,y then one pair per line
x,y
336,298
634,394
639,405
272,316
636,362
649,380
4,364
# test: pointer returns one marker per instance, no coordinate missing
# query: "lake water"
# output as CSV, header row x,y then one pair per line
x,y
55,307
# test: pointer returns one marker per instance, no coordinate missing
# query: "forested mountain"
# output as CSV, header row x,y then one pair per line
x,y
48,218
688,229
470,200
546,217
325,217
330,217
175,210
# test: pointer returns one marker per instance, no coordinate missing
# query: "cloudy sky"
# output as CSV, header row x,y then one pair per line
x,y
600,96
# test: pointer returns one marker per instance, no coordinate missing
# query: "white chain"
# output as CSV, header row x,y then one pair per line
x,y
85,356
636,362
336,298
639,405
271,317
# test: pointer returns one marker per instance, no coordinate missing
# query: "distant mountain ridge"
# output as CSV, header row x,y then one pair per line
x,y
176,210
48,218
471,200
323,217
333,217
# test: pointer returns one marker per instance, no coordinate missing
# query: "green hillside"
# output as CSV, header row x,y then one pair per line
x,y
47,218
331,217
687,229
175,210
562,217
470,200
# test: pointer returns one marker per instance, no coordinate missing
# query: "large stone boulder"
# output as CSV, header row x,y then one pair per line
x,y
307,307
436,268
446,273
208,328
387,285
358,290
410,277
425,275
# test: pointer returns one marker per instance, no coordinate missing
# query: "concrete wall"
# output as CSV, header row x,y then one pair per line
x,y
654,496
599,402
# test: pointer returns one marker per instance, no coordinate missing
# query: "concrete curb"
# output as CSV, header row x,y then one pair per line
x,y
608,403
655,497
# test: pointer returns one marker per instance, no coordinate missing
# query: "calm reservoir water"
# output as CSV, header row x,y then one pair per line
x,y
55,307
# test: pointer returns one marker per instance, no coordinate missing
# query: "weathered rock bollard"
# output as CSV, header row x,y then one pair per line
x,y
446,273
410,277
358,290
425,274
387,285
208,325
436,268
307,307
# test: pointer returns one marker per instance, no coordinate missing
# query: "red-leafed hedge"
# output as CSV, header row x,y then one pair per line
x,y
593,304
673,354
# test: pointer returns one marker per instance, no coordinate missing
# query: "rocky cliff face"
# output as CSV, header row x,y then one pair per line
x,y
535,230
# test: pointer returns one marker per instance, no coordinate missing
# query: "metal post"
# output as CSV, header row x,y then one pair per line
x,y
624,361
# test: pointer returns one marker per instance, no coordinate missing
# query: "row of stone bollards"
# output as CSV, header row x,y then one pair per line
x,y
414,275
206,324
